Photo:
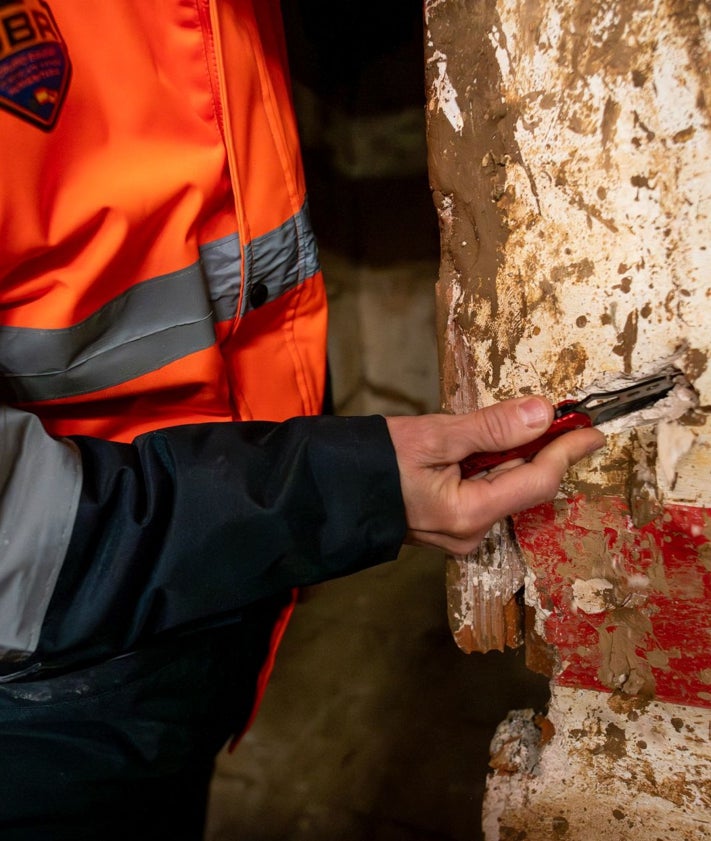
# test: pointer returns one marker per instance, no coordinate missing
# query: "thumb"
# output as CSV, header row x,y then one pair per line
x,y
502,426
440,440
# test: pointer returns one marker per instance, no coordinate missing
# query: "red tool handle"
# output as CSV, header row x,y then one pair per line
x,y
481,462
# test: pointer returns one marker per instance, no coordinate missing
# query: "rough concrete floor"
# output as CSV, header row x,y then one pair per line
x,y
375,727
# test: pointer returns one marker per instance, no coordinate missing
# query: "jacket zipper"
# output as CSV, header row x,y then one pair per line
x,y
208,34
213,49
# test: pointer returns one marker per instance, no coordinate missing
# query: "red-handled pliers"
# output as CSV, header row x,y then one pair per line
x,y
578,414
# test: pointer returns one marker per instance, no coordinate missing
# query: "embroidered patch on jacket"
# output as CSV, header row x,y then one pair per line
x,y
34,62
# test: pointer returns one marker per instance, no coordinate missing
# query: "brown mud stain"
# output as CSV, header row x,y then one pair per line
x,y
627,341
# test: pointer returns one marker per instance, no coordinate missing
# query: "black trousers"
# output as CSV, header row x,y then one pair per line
x,y
125,749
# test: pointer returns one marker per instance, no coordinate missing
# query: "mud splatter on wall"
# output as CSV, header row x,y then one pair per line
x,y
570,158
570,161
574,196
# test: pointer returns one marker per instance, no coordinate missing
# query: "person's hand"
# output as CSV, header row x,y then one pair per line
x,y
454,514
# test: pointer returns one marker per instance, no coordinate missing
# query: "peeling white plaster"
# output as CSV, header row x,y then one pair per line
x,y
444,96
502,56
680,400
640,771
594,595
490,575
674,441
540,612
608,206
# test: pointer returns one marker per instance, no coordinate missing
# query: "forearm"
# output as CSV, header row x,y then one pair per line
x,y
192,523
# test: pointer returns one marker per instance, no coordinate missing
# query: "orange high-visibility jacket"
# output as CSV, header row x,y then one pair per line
x,y
156,259
157,268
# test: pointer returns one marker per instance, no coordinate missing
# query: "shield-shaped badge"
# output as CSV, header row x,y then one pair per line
x,y
34,62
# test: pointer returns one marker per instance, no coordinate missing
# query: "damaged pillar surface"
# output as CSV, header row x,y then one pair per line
x,y
570,161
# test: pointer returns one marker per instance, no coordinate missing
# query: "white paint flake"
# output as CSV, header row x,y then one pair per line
x,y
444,96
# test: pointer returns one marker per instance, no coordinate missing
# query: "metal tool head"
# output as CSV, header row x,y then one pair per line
x,y
605,406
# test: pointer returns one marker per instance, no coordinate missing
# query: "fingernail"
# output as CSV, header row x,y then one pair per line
x,y
597,445
533,413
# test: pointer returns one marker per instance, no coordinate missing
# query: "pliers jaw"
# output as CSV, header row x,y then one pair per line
x,y
596,408
603,406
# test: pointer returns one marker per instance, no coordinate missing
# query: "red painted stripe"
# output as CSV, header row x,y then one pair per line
x,y
656,626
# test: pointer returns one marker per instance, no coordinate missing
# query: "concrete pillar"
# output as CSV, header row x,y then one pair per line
x,y
570,158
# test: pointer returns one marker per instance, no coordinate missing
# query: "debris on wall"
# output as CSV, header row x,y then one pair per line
x,y
484,611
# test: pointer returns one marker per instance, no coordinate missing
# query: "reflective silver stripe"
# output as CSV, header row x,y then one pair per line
x,y
279,261
282,259
143,329
41,482
221,263
156,321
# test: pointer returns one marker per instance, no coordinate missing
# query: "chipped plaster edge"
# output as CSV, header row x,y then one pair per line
x,y
612,770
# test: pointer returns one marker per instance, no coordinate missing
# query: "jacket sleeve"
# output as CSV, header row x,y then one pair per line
x,y
40,484
188,525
